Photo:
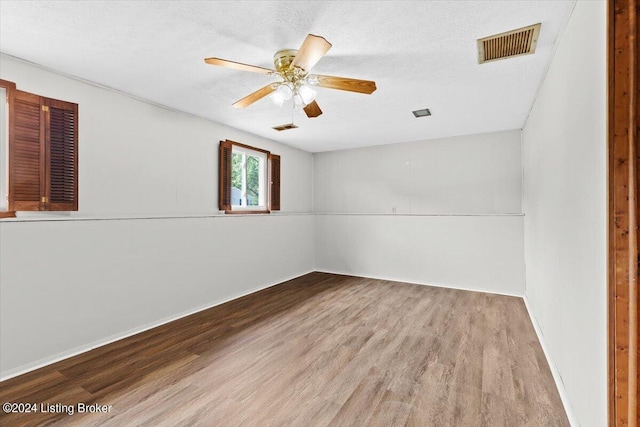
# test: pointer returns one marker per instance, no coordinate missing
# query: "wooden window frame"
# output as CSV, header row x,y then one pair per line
x,y
623,211
10,87
272,188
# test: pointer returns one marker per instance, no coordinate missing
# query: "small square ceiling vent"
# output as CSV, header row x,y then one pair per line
x,y
285,127
422,113
506,45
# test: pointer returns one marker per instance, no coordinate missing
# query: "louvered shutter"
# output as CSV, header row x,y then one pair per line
x,y
26,153
61,138
275,182
224,178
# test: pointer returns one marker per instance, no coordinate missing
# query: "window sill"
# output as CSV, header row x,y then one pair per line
x,y
248,212
7,214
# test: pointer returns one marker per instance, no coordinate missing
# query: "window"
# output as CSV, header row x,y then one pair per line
x,y
6,90
40,157
249,179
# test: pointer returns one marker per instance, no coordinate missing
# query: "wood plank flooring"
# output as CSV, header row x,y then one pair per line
x,y
319,350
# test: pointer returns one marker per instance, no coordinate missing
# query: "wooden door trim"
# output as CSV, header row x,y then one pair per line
x,y
623,151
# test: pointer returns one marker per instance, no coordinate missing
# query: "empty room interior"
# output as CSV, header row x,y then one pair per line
x,y
319,213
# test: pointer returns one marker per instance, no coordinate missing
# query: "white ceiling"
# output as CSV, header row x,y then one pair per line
x,y
421,54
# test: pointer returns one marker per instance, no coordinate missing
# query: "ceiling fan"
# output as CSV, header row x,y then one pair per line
x,y
293,66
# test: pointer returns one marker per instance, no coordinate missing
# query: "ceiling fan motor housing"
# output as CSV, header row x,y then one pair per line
x,y
283,59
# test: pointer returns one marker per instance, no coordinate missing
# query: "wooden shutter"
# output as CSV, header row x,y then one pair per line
x,y
61,136
26,153
43,154
224,176
275,182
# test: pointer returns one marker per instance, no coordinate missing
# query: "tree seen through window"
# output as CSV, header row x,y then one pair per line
x,y
245,178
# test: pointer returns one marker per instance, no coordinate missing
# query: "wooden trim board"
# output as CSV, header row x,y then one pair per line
x,y
623,151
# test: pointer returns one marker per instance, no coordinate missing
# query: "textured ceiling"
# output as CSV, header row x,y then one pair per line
x,y
421,54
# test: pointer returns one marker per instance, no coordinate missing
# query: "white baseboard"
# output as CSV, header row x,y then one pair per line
x,y
554,369
414,282
116,337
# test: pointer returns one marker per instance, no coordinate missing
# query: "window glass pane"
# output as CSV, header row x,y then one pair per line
x,y
248,179
236,179
4,149
253,181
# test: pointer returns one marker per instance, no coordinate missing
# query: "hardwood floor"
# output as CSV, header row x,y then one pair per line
x,y
318,350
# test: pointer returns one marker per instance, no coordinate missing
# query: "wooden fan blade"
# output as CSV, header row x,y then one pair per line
x,y
342,83
238,66
312,110
313,48
259,94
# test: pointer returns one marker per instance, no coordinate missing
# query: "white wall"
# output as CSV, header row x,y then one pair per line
x,y
137,158
456,219
476,174
481,253
69,284
565,205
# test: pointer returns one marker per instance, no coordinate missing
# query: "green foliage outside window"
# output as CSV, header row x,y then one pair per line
x,y
253,180
253,177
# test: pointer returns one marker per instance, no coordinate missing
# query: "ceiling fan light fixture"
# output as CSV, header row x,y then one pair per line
x,y
277,99
296,84
307,94
281,94
285,91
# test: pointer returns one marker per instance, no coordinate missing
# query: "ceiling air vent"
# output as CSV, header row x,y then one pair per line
x,y
506,45
285,127
422,113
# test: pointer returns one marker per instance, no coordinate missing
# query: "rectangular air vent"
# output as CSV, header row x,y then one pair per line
x,y
422,113
285,127
506,45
